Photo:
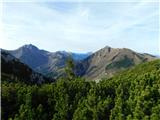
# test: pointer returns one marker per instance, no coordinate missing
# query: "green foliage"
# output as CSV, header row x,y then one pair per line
x,y
69,70
131,95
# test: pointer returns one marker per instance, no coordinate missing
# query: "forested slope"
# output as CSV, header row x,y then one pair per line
x,y
132,94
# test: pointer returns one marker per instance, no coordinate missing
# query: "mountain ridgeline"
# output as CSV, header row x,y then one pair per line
x,y
93,66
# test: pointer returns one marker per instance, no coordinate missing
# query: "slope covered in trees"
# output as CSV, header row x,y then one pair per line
x,y
132,94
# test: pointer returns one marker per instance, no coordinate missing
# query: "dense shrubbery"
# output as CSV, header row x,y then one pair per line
x,y
133,94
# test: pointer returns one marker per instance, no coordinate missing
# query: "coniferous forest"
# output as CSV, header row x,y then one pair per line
x,y
133,94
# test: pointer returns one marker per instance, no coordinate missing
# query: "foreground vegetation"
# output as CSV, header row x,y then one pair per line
x,y
132,95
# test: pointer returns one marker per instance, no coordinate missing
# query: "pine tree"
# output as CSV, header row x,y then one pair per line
x,y
69,70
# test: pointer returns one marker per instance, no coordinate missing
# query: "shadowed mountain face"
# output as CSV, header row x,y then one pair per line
x,y
31,55
105,62
13,71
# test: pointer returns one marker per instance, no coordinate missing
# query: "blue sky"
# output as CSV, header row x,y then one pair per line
x,y
81,26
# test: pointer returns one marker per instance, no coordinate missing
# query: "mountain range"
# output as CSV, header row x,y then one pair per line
x,y
93,66
45,62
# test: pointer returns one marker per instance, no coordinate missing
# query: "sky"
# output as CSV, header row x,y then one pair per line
x,y
82,26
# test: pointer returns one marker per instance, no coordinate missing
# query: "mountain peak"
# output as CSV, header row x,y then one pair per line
x,y
30,46
107,47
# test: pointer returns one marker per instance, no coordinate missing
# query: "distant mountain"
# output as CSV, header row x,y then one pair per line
x,y
108,61
13,69
80,56
31,55
47,63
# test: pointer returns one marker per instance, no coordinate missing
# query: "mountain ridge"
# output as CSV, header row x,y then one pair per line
x,y
45,62
107,61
